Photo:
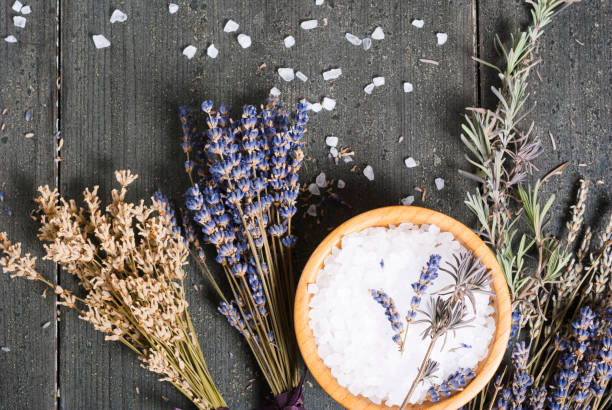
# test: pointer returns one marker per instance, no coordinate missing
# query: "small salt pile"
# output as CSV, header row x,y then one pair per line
x,y
353,336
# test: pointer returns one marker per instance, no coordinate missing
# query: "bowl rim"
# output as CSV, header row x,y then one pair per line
x,y
394,215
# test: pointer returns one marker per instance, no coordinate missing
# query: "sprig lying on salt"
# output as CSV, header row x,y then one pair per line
x,y
118,17
190,52
100,41
231,26
289,41
309,24
352,334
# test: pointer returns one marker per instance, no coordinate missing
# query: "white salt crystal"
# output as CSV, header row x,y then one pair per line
x,y
347,159
353,39
408,200
17,6
173,8
300,75
289,41
378,34
100,41
408,87
331,141
319,2
316,107
231,26
314,189
312,210
367,43
439,183
19,21
368,172
418,23
286,74
118,16
312,288
442,38
341,184
308,24
275,91
333,152
244,40
378,81
10,39
190,51
321,180
332,74
410,162
212,51
369,88
328,103
25,10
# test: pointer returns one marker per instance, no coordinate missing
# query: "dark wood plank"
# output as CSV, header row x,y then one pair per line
x,y
27,83
570,95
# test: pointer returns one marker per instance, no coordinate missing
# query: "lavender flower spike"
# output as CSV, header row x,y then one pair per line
x,y
391,312
428,274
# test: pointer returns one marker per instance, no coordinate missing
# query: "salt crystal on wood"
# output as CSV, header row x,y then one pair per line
x,y
328,103
300,75
212,51
173,8
10,39
408,87
309,24
321,180
439,183
244,40
378,34
100,41
275,91
289,41
312,210
332,74
316,107
408,200
418,23
334,152
442,38
319,2
190,51
231,26
378,81
331,141
367,43
368,172
17,6
410,162
341,184
118,16
314,189
347,159
353,39
369,88
286,74
25,10
19,21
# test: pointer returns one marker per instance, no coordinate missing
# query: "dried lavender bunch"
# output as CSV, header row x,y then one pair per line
x,y
244,186
128,261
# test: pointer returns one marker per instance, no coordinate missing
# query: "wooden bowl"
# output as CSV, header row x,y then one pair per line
x,y
395,215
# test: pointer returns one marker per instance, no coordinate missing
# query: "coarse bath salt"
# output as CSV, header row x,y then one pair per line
x,y
353,336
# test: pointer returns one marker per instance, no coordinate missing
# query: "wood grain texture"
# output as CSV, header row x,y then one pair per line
x,y
394,216
27,83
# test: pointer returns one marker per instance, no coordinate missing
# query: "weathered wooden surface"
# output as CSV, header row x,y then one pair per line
x,y
118,109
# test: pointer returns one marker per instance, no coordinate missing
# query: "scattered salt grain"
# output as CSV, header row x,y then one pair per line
x,y
410,162
333,151
328,103
408,87
316,107
312,210
10,39
173,8
190,51
289,41
367,43
309,24
321,180
5,349
341,184
353,39
378,34
46,325
347,159
369,172
286,74
378,81
314,189
25,10
331,141
212,51
442,38
275,91
231,26
418,23
244,40
100,41
369,88
332,74
19,21
17,6
319,2
439,183
301,76
118,16
409,200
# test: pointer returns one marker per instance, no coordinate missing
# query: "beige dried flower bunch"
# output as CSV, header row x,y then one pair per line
x,y
128,261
